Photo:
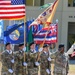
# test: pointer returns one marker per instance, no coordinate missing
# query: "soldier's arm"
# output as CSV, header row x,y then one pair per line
x,y
54,54
2,58
6,61
67,59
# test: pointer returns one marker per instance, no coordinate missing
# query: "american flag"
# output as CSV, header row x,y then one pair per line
x,y
42,18
51,35
12,9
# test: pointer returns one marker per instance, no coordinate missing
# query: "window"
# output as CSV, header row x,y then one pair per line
x,y
12,22
71,33
71,3
34,2
29,2
19,21
1,31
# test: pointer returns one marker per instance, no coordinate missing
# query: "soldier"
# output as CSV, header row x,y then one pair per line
x,y
7,61
31,60
60,61
45,61
19,59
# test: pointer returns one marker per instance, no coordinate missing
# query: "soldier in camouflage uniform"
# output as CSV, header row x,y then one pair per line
x,y
20,63
45,61
31,60
7,61
60,61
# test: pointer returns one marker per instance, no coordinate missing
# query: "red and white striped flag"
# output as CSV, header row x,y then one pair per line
x,y
51,35
12,9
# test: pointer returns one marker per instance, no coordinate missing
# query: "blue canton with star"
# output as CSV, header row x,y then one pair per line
x,y
17,2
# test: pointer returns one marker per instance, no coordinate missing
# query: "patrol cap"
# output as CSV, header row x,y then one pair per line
x,y
45,45
31,44
7,44
61,45
21,44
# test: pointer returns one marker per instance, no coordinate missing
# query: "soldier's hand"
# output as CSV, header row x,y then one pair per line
x,y
37,63
49,59
63,65
12,61
24,49
24,63
40,49
10,70
48,71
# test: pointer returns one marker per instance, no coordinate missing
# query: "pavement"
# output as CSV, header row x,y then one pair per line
x,y
71,65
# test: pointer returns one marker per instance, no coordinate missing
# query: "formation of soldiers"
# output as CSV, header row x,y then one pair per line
x,y
33,62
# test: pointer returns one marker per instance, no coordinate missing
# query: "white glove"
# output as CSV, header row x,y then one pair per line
x,y
24,63
12,61
24,49
40,49
37,63
49,59
10,70
48,71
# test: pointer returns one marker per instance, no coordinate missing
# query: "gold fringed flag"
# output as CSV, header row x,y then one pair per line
x,y
50,18
43,17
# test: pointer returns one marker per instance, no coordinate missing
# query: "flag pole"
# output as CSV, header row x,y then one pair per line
x,y
49,21
25,71
57,34
24,37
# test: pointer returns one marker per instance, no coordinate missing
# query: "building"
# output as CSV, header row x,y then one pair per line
x,y
65,13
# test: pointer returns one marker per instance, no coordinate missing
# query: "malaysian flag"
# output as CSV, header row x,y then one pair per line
x,y
73,54
12,9
42,18
71,50
51,35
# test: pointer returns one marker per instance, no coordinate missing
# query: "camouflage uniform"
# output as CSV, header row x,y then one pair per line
x,y
6,62
31,59
59,64
19,59
45,64
67,63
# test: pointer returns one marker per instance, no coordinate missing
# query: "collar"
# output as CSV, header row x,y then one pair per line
x,y
9,51
32,51
45,52
21,51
